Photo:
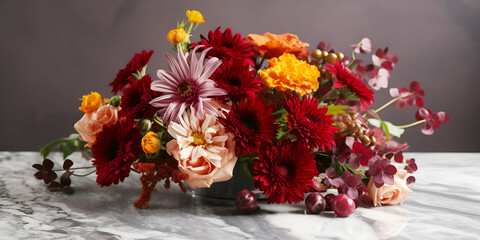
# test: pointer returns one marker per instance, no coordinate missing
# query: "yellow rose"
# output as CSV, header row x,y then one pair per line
x,y
177,36
195,16
151,143
91,102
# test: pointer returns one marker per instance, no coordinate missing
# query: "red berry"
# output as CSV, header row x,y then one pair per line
x,y
328,198
343,205
315,202
246,201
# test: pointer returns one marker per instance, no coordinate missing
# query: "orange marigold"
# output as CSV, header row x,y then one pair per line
x,y
288,73
271,45
91,102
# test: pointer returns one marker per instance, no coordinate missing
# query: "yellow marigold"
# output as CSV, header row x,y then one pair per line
x,y
177,36
195,16
288,73
150,142
91,102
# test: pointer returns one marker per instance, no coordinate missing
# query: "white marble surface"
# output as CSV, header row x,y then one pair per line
x,y
445,204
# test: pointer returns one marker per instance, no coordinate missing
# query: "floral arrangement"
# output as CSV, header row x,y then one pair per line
x,y
295,122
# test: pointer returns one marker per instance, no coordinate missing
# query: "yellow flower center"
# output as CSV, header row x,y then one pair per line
x,y
198,139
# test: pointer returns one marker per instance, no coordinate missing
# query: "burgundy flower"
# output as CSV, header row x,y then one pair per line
x,y
330,178
411,165
432,120
138,62
225,46
345,78
414,96
136,99
351,183
358,155
310,123
381,171
384,59
285,171
114,151
252,123
235,77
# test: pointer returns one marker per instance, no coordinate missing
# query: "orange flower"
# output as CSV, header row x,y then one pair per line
x,y
288,73
151,143
177,36
195,16
271,45
91,102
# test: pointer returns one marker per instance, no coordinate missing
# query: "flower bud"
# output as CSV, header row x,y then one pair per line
x,y
115,101
195,16
177,36
144,125
151,143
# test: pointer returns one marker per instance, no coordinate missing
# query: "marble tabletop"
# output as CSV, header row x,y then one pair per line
x,y
444,204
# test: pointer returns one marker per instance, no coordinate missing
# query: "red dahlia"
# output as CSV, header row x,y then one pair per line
x,y
114,151
252,123
346,78
310,123
136,99
226,46
285,171
137,63
235,77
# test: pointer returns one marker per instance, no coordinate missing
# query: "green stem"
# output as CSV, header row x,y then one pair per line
x,y
412,124
386,105
353,55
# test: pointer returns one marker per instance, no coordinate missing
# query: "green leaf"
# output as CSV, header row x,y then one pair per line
x,y
66,145
332,109
392,129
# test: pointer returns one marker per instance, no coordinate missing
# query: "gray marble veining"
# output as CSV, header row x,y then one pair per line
x,y
444,204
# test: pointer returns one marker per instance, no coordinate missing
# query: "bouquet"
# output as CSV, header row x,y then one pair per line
x,y
295,122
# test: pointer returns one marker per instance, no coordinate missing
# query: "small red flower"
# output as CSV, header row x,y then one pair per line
x,y
285,171
252,123
137,63
345,78
226,46
310,123
114,151
136,99
432,120
414,96
235,77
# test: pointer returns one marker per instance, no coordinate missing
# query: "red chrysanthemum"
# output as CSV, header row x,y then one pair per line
x,y
136,99
285,171
137,63
114,151
310,123
235,77
252,123
226,46
345,78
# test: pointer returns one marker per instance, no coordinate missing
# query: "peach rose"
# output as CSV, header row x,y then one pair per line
x,y
389,194
203,149
271,45
91,124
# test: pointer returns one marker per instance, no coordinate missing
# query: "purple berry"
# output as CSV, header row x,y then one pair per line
x,y
246,201
343,205
328,198
315,202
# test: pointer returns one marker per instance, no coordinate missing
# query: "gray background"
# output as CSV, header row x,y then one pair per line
x,y
53,52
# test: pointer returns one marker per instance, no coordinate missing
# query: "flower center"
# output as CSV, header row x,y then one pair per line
x,y
282,171
249,122
185,89
198,139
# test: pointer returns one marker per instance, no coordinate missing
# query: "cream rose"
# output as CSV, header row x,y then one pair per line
x,y
202,148
389,194
91,124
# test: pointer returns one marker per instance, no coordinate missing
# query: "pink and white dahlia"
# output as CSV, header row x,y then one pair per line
x,y
202,148
186,85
